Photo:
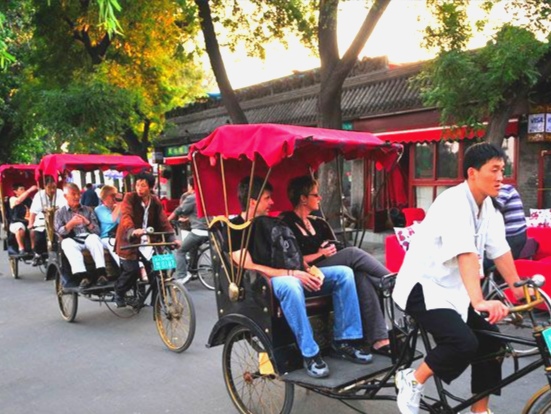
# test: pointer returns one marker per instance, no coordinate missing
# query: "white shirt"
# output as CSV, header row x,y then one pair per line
x,y
39,205
453,225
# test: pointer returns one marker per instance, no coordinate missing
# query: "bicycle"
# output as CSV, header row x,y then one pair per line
x,y
200,266
539,403
173,309
200,263
518,324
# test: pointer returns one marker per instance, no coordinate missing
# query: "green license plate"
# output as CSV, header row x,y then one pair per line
x,y
547,336
164,261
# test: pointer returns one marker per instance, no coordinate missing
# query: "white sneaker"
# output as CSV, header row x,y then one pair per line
x,y
482,412
186,278
409,391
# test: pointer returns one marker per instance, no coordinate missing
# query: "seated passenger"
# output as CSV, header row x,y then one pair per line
x,y
20,213
139,210
78,227
45,199
313,233
291,286
109,216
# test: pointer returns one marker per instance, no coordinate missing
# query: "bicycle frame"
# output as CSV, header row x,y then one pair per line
x,y
441,402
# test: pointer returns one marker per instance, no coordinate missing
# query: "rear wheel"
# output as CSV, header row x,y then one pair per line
x,y
14,267
67,301
521,324
175,317
204,269
540,402
253,385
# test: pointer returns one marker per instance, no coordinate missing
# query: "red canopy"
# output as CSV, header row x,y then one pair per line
x,y
182,159
56,164
291,150
16,173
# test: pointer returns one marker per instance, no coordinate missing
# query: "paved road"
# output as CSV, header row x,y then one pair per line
x,y
106,364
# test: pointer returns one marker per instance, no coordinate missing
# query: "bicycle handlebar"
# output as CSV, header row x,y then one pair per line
x,y
532,301
160,244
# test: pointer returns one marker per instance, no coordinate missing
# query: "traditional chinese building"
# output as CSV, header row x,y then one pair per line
x,y
380,98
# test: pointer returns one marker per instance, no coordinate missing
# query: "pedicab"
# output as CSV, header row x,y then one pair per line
x,y
261,361
172,306
16,174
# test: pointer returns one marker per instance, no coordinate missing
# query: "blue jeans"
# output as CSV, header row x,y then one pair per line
x,y
339,280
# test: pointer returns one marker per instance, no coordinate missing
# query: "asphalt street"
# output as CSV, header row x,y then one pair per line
x,y
108,363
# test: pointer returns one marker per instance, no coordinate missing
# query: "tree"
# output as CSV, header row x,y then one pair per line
x,y
274,20
254,23
486,84
94,86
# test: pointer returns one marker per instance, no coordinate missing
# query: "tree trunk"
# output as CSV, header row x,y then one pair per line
x,y
498,124
135,145
334,71
229,99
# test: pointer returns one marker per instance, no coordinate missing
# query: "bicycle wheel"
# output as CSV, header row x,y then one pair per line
x,y
175,317
204,269
520,324
67,302
251,390
14,267
540,402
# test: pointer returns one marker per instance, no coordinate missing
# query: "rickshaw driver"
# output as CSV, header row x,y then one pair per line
x,y
439,281
139,210
289,284
51,196
78,226
19,207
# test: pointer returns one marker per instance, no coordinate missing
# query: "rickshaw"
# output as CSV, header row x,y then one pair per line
x,y
173,309
260,359
9,175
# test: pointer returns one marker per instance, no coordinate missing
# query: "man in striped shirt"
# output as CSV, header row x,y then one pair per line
x,y
513,215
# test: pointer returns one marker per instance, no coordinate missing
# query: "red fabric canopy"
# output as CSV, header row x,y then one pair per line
x,y
56,164
437,133
291,150
183,159
16,173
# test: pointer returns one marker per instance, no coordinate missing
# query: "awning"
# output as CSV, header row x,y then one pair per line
x,y
183,159
438,133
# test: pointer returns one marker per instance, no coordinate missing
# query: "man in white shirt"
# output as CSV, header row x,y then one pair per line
x,y
439,281
45,199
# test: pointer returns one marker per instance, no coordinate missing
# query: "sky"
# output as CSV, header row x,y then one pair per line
x,y
398,35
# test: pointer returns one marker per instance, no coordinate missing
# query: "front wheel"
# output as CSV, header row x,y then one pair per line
x,y
540,403
14,267
204,269
175,317
249,375
67,302
521,324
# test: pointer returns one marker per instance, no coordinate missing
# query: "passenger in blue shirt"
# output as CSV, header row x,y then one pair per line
x,y
109,215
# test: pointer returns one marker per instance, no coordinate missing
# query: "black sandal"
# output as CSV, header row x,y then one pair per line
x,y
384,350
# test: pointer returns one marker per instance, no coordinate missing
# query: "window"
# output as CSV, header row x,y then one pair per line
x,y
423,160
437,166
447,161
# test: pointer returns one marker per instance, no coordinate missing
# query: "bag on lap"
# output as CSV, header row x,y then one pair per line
x,y
275,244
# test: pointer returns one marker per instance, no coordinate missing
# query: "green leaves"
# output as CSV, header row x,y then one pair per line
x,y
84,87
5,57
107,17
470,86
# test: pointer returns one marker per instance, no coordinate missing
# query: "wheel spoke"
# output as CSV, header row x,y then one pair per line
x,y
175,317
250,390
